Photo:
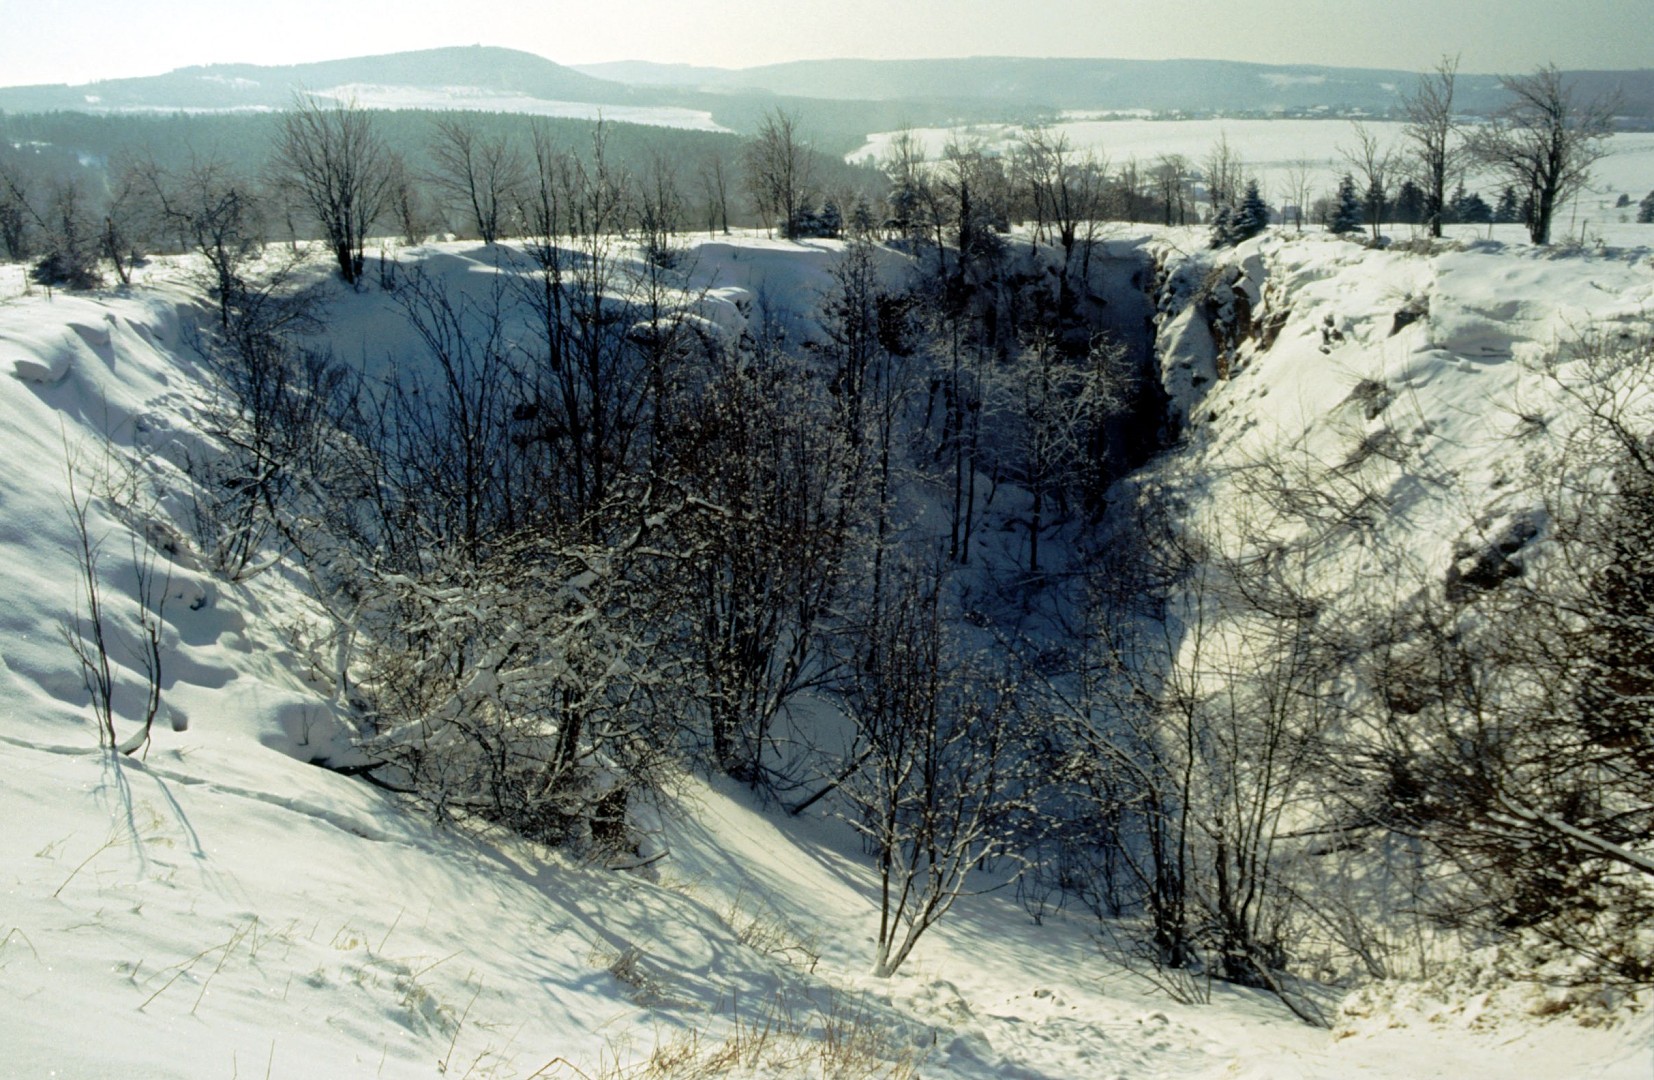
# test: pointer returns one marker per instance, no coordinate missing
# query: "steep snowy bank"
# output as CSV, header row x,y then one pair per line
x,y
1322,351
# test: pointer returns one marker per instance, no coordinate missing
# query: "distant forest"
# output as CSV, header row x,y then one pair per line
x,y
53,145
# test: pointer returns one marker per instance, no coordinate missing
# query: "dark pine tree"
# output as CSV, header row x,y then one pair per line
x,y
1253,216
1472,209
1346,213
1450,212
1243,222
1409,208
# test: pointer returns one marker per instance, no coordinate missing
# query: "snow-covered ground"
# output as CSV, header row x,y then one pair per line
x,y
219,907
1271,149
476,99
465,99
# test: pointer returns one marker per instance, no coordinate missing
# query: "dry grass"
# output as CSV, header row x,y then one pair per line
x,y
841,1041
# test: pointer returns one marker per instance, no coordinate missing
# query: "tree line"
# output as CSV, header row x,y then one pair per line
x,y
79,193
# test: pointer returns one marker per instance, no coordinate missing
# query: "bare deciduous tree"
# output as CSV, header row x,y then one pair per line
x,y
660,211
1544,142
714,177
1223,174
1295,192
779,171
1048,406
1430,129
1171,178
18,217
481,173
937,785
341,169
1066,189
1372,162
213,212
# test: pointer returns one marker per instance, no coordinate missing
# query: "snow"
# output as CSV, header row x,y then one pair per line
x,y
461,98
218,906
1271,149
478,99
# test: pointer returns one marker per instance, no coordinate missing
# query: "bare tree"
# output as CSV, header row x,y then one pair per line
x,y
714,177
1066,189
341,169
937,785
408,207
779,171
1372,163
660,211
1295,191
128,221
1430,131
1223,168
70,239
757,442
1049,406
591,394
480,173
212,211
914,213
18,217
977,193
1544,142
1171,178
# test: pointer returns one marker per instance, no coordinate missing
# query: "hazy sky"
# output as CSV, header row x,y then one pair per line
x,y
82,40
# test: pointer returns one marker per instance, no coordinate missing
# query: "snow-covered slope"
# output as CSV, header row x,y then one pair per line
x,y
221,907
1420,366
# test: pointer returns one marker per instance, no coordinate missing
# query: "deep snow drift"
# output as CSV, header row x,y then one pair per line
x,y
219,907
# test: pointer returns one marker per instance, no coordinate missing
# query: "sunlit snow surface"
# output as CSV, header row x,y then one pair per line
x,y
479,100
220,908
1271,149
464,99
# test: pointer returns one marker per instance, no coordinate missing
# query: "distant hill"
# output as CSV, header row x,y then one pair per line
x,y
840,101
250,86
1196,86
649,73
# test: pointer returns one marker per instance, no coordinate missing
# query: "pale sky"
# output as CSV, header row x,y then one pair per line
x,y
82,40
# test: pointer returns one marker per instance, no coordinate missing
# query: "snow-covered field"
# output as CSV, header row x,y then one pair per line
x,y
219,907
464,99
479,100
1271,149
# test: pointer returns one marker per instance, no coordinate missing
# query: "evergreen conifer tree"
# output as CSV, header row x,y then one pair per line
x,y
1253,216
1454,211
830,222
1409,203
1645,209
861,218
1346,214
1223,227
1473,209
1237,223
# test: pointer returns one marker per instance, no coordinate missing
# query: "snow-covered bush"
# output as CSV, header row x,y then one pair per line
x,y
517,688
